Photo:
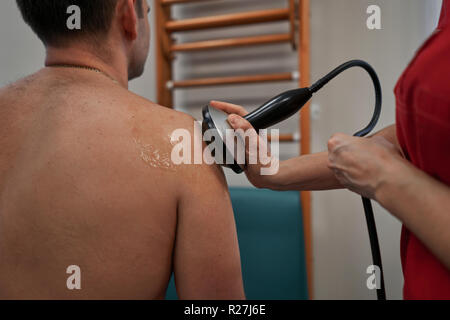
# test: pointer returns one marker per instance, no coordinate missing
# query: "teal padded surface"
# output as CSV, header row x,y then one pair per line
x,y
270,232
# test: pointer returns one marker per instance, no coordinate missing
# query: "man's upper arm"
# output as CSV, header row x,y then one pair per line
x,y
206,258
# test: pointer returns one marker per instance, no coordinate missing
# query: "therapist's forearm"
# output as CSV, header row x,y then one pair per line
x,y
311,172
308,172
390,134
422,204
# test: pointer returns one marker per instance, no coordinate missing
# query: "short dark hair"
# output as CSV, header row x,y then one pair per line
x,y
48,18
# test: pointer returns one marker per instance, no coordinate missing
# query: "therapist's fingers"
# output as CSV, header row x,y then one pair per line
x,y
237,122
257,155
339,140
229,108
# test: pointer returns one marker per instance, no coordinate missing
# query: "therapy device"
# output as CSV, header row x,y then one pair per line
x,y
283,107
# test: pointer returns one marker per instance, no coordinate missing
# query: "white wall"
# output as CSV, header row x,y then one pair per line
x,y
21,52
341,249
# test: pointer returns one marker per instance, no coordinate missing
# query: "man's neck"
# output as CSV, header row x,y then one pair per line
x,y
114,67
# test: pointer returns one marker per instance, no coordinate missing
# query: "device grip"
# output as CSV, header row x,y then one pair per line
x,y
279,108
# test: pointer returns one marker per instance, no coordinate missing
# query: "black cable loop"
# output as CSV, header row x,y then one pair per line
x,y
368,210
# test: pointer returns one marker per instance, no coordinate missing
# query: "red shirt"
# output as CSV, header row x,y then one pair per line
x,y
423,130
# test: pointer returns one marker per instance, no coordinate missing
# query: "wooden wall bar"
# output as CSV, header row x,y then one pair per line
x,y
171,2
305,132
230,43
206,82
228,20
163,59
286,137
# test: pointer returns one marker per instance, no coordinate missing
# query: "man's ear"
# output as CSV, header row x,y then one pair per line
x,y
129,18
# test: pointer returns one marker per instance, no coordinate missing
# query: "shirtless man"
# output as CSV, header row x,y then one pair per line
x,y
86,177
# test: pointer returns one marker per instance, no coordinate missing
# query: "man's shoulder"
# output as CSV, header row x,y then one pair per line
x,y
13,87
153,116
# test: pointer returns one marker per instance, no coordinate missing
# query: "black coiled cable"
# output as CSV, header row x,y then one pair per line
x,y
371,226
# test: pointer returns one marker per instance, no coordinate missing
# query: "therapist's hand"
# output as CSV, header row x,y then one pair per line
x,y
253,171
362,165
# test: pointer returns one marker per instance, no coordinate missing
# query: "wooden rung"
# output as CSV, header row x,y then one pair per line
x,y
170,2
228,20
230,43
286,137
207,82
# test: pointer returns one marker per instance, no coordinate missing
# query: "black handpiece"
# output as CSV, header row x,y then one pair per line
x,y
279,108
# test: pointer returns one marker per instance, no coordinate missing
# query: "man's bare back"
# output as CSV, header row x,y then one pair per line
x,y
86,179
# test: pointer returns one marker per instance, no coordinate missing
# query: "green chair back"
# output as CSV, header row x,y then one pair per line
x,y
271,241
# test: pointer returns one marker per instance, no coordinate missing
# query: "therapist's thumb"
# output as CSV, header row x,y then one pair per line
x,y
238,122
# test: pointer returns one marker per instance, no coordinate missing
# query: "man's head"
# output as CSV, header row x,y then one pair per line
x,y
122,22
